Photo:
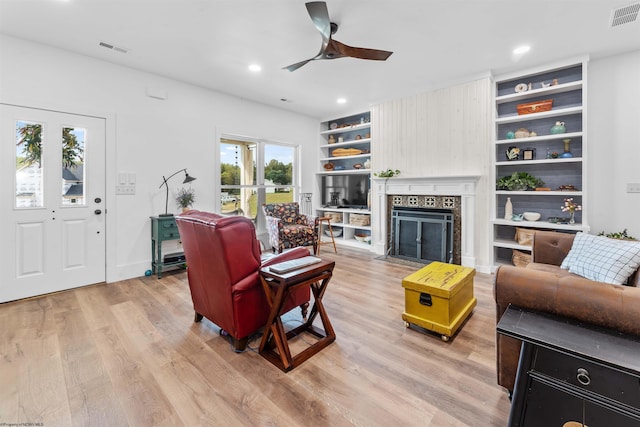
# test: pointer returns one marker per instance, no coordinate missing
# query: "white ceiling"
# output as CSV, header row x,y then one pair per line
x,y
210,43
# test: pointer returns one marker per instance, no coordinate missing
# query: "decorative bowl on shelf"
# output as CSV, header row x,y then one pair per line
x,y
339,152
531,216
361,237
337,232
328,166
357,166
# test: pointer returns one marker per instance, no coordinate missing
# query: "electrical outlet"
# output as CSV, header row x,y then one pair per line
x,y
633,187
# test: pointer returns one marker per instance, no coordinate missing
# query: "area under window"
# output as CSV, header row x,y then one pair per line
x,y
253,173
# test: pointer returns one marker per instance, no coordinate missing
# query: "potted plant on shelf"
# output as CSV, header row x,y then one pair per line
x,y
185,198
620,235
389,173
519,181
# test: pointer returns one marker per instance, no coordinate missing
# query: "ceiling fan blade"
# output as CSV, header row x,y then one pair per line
x,y
297,65
332,49
320,17
360,52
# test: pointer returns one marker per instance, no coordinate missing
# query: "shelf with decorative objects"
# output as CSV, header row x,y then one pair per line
x,y
539,156
344,178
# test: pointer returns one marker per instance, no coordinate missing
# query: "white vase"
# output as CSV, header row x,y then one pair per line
x,y
508,209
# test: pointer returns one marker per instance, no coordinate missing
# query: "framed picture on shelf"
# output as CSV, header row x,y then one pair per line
x,y
529,154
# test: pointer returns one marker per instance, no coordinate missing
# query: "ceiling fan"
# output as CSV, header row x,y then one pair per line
x,y
333,49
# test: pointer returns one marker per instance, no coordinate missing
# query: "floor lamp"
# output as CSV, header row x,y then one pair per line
x,y
187,178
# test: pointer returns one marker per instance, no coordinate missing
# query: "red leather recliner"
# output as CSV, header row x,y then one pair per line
x,y
223,262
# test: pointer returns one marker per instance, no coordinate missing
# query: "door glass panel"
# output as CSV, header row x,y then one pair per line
x,y
29,167
238,177
73,173
278,173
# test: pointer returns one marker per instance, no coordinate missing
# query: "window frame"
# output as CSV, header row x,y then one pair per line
x,y
260,186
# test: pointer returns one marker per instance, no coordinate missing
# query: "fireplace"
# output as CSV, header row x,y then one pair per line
x,y
455,193
422,234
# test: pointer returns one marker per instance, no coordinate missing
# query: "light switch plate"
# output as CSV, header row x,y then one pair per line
x,y
633,187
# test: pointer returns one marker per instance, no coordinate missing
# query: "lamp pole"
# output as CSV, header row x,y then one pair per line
x,y
187,178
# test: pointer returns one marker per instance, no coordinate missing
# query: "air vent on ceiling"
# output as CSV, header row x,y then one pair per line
x,y
114,47
624,15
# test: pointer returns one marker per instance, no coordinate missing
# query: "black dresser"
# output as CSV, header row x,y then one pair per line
x,y
571,374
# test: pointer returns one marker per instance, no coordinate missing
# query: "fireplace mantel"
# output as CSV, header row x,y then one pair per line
x,y
461,185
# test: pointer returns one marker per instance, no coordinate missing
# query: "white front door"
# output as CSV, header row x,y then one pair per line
x,y
52,207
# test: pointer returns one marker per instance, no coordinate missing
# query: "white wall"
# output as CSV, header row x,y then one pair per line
x,y
614,143
151,137
443,133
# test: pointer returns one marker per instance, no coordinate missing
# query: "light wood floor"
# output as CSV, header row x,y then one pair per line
x,y
128,353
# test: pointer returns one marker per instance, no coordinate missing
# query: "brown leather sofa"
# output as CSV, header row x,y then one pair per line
x,y
543,286
223,261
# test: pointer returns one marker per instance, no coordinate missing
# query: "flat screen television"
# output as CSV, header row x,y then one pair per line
x,y
345,191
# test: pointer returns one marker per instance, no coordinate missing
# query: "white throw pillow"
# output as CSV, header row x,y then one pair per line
x,y
606,260
579,242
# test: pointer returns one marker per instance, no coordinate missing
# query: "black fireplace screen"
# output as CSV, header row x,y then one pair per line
x,y
422,235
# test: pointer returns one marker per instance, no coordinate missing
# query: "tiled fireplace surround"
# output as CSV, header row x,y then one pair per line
x,y
427,192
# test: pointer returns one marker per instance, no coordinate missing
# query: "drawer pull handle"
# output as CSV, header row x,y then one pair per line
x,y
583,376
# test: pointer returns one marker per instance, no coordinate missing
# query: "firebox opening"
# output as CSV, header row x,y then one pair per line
x,y
422,234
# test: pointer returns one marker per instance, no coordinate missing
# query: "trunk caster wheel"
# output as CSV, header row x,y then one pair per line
x,y
406,324
444,338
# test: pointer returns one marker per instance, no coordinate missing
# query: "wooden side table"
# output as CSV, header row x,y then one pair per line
x,y
277,288
163,228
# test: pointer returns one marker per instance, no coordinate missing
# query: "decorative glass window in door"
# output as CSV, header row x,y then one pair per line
x,y
29,165
73,181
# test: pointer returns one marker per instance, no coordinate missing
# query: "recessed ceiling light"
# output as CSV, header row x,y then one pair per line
x,y
255,68
342,100
520,50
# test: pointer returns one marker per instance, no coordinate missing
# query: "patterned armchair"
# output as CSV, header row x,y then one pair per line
x,y
288,228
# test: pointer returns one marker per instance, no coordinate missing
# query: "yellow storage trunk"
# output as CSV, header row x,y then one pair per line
x,y
439,297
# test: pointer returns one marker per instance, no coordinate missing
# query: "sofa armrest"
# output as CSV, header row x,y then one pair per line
x,y
614,307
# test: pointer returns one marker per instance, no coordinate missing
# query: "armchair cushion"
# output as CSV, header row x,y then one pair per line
x,y
288,228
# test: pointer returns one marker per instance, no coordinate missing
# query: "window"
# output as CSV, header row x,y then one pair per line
x,y
29,165
253,173
32,149
73,188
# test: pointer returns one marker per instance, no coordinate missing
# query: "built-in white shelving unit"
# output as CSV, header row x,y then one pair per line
x,y
344,184
542,154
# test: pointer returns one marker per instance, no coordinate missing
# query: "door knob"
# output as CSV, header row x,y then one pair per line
x,y
97,212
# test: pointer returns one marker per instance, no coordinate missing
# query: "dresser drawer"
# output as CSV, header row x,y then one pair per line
x,y
168,229
596,378
169,234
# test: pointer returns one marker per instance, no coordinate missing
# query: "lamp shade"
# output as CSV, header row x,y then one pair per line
x,y
187,178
